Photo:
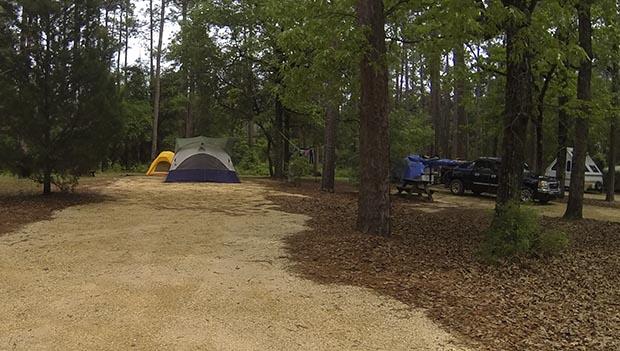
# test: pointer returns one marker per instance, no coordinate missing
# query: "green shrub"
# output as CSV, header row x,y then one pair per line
x,y
298,167
551,243
516,232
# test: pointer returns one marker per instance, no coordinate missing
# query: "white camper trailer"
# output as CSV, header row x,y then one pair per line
x,y
594,176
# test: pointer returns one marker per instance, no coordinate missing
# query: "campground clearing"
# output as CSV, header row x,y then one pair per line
x,y
138,264
185,266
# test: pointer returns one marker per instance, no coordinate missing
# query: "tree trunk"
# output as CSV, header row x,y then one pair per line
x,y
611,153
373,215
127,17
518,109
47,181
435,78
278,141
542,93
574,208
461,140
286,146
563,120
329,162
151,44
158,80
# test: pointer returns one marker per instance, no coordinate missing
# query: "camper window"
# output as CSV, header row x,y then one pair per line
x,y
568,166
595,169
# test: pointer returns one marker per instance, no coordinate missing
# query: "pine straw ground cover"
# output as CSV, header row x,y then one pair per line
x,y
571,302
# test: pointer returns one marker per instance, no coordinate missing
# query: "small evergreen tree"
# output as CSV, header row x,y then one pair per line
x,y
65,110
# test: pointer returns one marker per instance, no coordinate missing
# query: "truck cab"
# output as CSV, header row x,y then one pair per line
x,y
481,176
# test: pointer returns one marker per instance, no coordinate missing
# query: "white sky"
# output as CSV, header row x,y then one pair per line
x,y
139,44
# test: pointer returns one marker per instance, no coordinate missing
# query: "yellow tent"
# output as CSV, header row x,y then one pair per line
x,y
161,164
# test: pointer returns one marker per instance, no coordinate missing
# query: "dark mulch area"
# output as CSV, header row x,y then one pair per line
x,y
21,204
570,302
19,210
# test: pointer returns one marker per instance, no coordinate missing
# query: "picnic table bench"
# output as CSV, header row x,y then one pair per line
x,y
417,187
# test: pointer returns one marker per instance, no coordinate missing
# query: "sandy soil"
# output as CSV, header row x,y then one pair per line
x,y
185,267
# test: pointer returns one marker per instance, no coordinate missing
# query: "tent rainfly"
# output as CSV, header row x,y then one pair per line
x,y
202,159
161,165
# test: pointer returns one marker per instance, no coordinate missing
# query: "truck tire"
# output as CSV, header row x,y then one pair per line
x,y
598,187
527,195
457,187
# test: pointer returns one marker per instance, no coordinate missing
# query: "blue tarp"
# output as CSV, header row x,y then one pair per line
x,y
416,164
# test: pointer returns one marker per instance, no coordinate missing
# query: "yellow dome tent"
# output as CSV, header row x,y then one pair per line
x,y
161,164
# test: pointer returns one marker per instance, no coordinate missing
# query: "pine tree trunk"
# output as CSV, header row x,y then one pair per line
x,y
278,141
127,17
518,109
611,153
435,78
373,215
158,80
329,163
151,45
286,146
47,181
563,121
574,208
461,140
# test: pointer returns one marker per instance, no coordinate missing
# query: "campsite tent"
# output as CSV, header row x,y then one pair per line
x,y
161,164
202,159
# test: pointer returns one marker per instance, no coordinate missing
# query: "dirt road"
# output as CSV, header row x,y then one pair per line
x,y
184,267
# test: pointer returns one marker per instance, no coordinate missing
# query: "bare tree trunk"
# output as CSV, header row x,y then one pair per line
x,y
542,93
329,163
373,214
286,149
461,140
435,77
127,19
156,99
151,38
278,141
563,120
611,153
574,208
518,109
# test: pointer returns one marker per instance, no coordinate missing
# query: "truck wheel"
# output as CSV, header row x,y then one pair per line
x,y
527,195
598,187
457,187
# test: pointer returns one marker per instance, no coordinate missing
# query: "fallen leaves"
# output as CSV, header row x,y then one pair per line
x,y
430,262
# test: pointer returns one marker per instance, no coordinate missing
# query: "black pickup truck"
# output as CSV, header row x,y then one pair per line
x,y
480,176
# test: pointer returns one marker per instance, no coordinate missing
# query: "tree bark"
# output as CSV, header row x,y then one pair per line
x,y
329,162
47,182
542,93
461,140
435,78
278,141
156,99
611,153
563,121
373,215
574,208
518,107
151,45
